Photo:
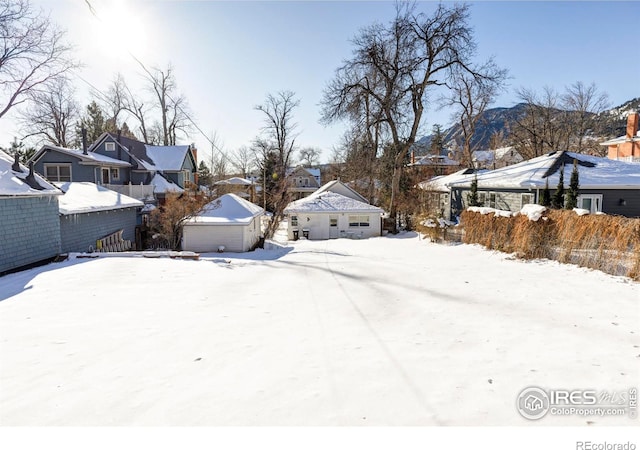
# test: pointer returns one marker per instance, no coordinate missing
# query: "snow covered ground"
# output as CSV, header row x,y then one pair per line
x,y
384,331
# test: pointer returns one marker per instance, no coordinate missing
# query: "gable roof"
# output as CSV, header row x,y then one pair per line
x,y
441,183
89,197
160,158
15,183
339,187
92,159
330,202
161,185
435,160
227,210
594,173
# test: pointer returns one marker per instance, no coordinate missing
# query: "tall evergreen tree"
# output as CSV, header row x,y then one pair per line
x,y
437,140
557,201
93,121
204,175
574,187
472,197
545,198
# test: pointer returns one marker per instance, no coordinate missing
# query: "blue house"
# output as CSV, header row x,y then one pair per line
x,y
28,217
124,165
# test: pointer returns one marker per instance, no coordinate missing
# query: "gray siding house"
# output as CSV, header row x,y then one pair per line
x,y
606,186
28,217
89,212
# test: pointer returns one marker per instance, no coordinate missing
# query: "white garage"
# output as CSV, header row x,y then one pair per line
x,y
229,223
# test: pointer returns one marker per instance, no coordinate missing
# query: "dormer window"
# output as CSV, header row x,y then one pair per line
x,y
110,146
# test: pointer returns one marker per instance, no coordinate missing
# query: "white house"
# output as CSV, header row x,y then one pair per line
x,y
229,223
329,215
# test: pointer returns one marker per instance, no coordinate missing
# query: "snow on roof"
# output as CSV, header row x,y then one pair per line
x,y
89,158
441,183
594,173
229,209
621,140
330,202
13,183
338,186
166,158
435,160
84,197
235,181
161,185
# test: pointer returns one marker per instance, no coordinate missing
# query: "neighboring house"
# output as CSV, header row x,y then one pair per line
x,y
627,147
242,187
89,212
435,165
303,181
229,223
435,193
495,159
176,163
608,186
28,217
329,215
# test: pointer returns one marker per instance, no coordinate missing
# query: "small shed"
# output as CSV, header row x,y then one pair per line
x,y
329,215
89,212
28,217
229,223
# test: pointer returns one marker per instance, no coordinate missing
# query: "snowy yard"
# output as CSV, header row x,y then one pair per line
x,y
385,331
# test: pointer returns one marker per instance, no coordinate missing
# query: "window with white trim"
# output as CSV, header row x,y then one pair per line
x,y
294,221
110,146
58,172
482,198
358,221
115,173
590,202
526,199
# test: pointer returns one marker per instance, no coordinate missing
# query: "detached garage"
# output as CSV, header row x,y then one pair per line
x,y
229,223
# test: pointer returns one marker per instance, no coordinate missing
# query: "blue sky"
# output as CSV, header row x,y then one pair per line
x,y
229,55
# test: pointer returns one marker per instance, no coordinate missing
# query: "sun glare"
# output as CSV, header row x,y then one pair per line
x,y
120,28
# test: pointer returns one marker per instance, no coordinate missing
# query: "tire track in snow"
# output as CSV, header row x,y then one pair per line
x,y
415,390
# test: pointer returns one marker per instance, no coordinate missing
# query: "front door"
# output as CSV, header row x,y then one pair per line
x,y
333,227
105,176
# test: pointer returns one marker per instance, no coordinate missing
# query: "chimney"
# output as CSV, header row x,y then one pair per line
x,y
16,163
31,179
413,157
84,141
632,125
194,150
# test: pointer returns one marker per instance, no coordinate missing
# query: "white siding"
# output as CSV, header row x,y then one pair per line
x,y
207,238
318,225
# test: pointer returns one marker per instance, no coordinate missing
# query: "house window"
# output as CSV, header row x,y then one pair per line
x,y
115,174
333,221
525,199
58,173
482,198
294,221
110,146
358,221
492,200
590,202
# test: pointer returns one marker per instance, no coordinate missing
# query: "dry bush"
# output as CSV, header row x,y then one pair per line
x,y
607,243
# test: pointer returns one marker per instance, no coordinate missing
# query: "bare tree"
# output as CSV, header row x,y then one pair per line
x,y
470,95
584,102
279,137
173,107
52,113
309,156
32,53
243,160
393,66
543,127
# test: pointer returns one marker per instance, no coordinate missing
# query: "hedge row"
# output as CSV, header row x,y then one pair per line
x,y
607,243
